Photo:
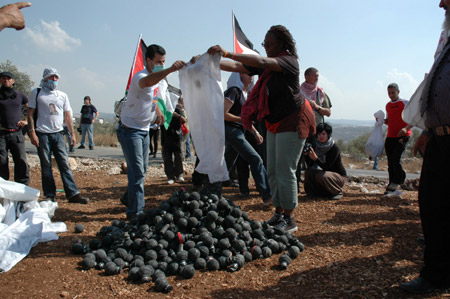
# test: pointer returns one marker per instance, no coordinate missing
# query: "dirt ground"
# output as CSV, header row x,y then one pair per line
x,y
361,246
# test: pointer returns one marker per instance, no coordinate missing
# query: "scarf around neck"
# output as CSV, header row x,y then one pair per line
x,y
322,149
310,92
7,92
258,100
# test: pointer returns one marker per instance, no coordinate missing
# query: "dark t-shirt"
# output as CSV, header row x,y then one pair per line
x,y
11,102
87,114
333,161
283,88
171,137
235,95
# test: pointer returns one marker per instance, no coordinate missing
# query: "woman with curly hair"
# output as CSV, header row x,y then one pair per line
x,y
276,98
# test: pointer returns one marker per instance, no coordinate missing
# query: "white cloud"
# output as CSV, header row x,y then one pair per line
x,y
90,79
405,80
51,37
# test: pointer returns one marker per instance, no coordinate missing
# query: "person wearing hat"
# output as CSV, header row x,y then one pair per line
x,y
11,136
396,139
53,107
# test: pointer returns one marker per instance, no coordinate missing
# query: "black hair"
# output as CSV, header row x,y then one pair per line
x,y
154,49
394,86
87,98
324,127
283,34
311,70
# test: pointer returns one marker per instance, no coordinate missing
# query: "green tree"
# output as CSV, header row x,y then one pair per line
x,y
23,82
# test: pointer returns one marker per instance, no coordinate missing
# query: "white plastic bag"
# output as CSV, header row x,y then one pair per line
x,y
375,143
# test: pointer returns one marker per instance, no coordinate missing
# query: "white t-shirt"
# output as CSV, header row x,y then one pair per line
x,y
140,106
51,106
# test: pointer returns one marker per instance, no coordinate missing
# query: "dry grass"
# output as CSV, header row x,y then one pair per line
x,y
105,139
410,165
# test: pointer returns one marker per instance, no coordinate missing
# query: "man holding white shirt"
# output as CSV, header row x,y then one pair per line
x,y
133,130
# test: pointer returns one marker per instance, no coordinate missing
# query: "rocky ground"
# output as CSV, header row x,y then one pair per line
x,y
361,246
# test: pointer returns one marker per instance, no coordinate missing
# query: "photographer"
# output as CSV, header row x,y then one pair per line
x,y
325,175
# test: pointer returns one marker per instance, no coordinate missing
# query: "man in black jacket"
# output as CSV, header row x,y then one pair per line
x,y
11,124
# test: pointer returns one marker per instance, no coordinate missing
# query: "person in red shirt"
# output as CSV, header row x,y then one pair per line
x,y
397,137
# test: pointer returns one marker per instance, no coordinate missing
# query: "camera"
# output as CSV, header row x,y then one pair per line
x,y
307,148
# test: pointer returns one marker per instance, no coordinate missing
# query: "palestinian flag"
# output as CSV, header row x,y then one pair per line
x,y
241,43
138,61
168,96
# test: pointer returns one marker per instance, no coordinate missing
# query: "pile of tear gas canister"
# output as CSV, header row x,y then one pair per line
x,y
189,232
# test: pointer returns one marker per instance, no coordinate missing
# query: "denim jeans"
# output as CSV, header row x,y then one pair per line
x,y
15,143
235,138
68,138
283,153
188,154
54,143
135,147
87,128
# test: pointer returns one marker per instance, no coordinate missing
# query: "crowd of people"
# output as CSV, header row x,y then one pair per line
x,y
288,118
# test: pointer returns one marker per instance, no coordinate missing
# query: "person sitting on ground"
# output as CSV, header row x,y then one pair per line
x,y
325,175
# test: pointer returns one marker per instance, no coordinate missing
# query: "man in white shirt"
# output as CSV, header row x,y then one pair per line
x,y
53,107
137,114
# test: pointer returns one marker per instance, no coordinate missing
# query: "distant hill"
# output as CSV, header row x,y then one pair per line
x,y
346,130
343,129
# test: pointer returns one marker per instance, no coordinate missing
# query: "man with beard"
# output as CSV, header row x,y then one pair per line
x,y
434,143
319,100
11,137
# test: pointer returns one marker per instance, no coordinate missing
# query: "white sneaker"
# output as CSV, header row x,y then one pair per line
x,y
180,178
170,182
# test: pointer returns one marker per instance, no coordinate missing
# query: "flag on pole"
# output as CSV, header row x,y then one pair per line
x,y
138,61
241,43
168,96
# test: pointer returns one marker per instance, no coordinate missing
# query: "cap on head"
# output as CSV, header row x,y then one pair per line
x,y
49,72
7,74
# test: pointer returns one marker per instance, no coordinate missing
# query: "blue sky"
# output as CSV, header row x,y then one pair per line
x,y
358,46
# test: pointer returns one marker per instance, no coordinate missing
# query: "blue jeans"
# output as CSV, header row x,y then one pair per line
x,y
87,128
235,139
68,138
54,143
188,146
135,147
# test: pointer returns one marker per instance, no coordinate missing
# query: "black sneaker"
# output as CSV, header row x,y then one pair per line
x,y
81,147
275,220
287,224
78,199
91,147
51,198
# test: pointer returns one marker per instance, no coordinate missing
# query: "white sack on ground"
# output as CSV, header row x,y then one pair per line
x,y
33,225
17,192
203,100
29,229
375,143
